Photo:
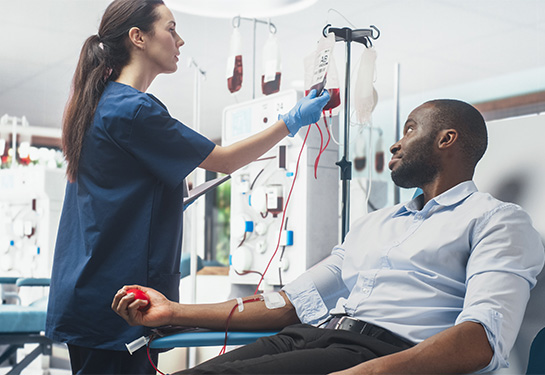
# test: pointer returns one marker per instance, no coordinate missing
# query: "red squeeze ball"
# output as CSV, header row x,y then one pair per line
x,y
138,294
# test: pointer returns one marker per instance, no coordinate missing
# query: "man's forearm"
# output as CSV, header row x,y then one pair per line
x,y
460,349
255,315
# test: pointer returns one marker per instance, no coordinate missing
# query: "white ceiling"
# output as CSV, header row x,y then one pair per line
x,y
438,43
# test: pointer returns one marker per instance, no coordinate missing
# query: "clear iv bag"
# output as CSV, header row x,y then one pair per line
x,y
234,62
365,95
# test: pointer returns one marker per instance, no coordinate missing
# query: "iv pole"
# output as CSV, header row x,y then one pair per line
x,y
397,190
193,265
364,37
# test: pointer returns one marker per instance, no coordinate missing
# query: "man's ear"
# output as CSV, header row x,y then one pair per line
x,y
136,37
447,137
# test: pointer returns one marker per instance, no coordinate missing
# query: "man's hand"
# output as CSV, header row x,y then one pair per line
x,y
158,313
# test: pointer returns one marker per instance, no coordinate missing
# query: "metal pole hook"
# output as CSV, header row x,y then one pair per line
x,y
377,30
325,30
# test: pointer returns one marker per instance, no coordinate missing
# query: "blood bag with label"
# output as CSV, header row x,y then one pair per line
x,y
321,72
234,62
270,79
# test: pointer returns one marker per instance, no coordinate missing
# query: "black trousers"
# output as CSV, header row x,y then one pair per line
x,y
299,349
98,361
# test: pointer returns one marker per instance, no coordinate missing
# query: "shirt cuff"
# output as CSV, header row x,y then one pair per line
x,y
491,321
308,303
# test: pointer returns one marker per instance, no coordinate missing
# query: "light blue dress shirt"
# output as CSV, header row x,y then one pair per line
x,y
416,271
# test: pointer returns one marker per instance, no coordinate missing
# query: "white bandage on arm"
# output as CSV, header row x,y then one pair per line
x,y
274,300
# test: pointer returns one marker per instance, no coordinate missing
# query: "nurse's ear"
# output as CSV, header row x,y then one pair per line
x,y
136,37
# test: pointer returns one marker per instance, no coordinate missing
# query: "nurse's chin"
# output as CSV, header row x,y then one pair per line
x,y
171,70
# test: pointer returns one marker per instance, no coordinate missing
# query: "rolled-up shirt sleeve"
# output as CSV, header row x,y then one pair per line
x,y
317,290
506,257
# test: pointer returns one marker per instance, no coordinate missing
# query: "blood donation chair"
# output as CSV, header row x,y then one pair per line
x,y
208,338
536,364
22,324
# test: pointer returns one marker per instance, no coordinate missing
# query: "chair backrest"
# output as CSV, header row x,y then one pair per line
x,y
533,322
536,363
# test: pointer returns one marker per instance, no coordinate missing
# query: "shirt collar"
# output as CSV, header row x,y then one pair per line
x,y
450,197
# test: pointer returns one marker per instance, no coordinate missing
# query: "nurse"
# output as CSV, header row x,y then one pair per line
x,y
121,222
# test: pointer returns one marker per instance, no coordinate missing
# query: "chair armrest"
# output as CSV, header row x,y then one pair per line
x,y
8,279
30,281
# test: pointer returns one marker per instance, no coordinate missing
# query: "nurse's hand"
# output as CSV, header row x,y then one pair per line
x,y
307,111
158,313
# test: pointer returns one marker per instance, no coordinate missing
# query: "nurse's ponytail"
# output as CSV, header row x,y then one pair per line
x,y
102,58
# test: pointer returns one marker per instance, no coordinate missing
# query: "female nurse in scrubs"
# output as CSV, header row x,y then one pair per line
x,y
121,222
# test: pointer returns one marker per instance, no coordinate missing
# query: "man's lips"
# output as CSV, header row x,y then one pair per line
x,y
393,161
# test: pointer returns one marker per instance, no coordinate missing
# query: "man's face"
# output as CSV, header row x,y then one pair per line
x,y
413,162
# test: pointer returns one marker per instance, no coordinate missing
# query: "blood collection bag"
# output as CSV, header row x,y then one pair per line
x,y
234,62
379,155
360,152
270,79
321,72
365,95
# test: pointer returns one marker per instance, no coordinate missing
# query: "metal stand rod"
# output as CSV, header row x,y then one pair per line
x,y
397,135
253,61
200,74
348,36
346,165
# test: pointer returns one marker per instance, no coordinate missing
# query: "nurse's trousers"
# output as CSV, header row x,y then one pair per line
x,y
88,361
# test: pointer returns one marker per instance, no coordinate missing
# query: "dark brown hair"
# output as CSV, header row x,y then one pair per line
x,y
102,58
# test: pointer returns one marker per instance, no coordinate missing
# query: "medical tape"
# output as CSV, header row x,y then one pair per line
x,y
240,304
273,300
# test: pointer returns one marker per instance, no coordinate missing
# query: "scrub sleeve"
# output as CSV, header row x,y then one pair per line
x,y
122,218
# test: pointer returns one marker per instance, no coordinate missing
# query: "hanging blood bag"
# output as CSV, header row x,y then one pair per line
x,y
379,155
270,79
360,152
321,72
234,62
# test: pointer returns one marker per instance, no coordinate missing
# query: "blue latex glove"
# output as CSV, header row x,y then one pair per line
x,y
307,111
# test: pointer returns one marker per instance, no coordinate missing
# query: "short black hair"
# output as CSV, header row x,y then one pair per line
x,y
467,120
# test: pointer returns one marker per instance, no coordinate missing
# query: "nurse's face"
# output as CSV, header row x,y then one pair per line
x,y
164,43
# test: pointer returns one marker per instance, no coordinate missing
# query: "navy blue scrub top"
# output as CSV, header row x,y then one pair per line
x,y
121,221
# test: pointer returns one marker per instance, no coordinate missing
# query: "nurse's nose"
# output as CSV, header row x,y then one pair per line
x,y
180,42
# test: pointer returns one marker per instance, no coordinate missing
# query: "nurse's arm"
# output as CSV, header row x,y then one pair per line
x,y
230,158
161,311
